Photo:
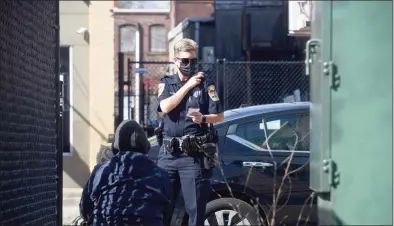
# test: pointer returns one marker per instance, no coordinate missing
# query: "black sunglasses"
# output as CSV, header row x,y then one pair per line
x,y
188,61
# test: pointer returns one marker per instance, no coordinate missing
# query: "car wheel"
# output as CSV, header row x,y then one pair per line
x,y
230,212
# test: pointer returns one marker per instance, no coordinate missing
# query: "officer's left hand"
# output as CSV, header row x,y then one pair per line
x,y
196,117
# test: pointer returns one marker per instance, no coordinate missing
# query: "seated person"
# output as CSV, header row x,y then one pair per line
x,y
128,188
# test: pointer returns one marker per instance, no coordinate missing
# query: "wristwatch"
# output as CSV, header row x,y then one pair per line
x,y
204,119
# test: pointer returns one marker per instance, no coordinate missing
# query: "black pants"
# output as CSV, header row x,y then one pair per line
x,y
187,174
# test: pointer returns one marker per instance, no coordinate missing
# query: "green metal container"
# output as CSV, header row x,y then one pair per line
x,y
349,59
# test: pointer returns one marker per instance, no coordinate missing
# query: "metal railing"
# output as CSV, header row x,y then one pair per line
x,y
254,83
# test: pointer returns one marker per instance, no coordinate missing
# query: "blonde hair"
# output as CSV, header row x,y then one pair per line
x,y
185,45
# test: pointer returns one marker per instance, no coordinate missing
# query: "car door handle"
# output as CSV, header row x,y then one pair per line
x,y
257,164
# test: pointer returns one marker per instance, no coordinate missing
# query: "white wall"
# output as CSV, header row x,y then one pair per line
x,y
73,15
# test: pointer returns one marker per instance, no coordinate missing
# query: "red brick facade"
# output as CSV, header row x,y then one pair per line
x,y
195,8
145,20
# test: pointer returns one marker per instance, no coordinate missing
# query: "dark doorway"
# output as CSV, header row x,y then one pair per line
x,y
65,94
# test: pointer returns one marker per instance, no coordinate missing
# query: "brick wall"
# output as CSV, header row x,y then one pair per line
x,y
145,20
196,8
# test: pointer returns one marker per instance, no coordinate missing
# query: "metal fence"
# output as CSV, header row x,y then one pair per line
x,y
253,83
238,83
138,102
30,174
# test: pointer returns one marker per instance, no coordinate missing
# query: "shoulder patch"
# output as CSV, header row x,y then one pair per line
x,y
161,88
212,93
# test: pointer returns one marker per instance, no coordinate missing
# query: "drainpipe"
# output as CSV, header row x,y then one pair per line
x,y
137,104
173,13
197,36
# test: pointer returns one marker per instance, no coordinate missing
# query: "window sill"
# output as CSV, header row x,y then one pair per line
x,y
157,53
128,53
117,10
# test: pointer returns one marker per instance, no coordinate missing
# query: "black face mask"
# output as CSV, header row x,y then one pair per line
x,y
188,69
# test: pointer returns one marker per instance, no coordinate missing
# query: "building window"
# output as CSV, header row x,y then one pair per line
x,y
66,97
127,38
144,5
158,38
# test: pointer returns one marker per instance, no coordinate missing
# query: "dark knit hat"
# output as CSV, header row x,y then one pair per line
x,y
130,136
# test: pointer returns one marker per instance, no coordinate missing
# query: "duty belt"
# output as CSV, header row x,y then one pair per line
x,y
188,143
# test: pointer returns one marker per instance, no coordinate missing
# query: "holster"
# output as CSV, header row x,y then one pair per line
x,y
211,159
158,131
190,144
159,138
170,144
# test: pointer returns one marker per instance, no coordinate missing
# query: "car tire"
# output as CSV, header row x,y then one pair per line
x,y
231,211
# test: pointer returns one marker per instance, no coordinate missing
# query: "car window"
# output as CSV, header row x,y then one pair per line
x,y
288,132
222,130
251,132
283,132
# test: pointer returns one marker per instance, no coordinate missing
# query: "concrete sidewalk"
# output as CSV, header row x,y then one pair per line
x,y
71,197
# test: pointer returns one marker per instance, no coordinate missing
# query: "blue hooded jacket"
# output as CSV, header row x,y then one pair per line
x,y
128,189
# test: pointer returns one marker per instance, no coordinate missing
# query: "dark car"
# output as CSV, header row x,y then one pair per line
x,y
263,176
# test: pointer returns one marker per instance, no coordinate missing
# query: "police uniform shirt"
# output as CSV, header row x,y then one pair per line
x,y
203,97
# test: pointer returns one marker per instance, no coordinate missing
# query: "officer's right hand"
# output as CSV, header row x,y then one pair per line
x,y
194,80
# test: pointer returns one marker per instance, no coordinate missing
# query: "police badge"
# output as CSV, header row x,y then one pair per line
x,y
212,93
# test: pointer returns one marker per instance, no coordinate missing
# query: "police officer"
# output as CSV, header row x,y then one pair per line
x,y
189,103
